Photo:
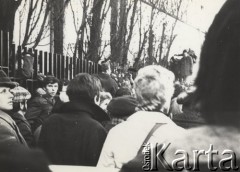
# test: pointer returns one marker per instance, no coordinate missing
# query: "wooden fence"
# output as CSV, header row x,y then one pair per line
x,y
62,67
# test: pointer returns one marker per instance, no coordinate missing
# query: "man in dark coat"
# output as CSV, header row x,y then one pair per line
x,y
186,65
73,135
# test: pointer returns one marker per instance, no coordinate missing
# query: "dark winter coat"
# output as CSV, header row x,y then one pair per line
x,y
24,127
39,108
9,132
108,84
73,136
186,64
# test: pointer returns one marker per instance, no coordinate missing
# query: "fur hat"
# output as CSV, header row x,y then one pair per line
x,y
20,94
5,80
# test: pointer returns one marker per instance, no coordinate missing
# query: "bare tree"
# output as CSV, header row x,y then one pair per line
x,y
37,24
98,12
121,32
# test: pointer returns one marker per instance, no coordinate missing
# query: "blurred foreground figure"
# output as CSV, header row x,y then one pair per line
x,y
17,158
154,89
218,90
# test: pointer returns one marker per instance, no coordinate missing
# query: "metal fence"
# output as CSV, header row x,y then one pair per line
x,y
58,65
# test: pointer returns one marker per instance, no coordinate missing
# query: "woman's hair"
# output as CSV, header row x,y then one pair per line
x,y
83,87
153,87
218,81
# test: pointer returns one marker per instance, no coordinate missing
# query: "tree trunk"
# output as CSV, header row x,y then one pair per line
x,y
95,31
161,43
113,31
126,47
122,30
58,21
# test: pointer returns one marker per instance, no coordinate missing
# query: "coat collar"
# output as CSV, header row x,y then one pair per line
x,y
82,106
6,117
149,117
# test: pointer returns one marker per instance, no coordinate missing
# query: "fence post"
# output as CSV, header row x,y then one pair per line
x,y
74,66
59,66
19,56
35,64
55,64
40,62
46,63
78,65
51,64
13,64
63,68
67,68
81,65
71,68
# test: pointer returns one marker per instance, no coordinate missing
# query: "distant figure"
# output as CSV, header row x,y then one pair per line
x,y
73,135
108,83
186,65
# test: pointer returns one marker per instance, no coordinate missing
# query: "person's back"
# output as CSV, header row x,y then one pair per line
x,y
125,139
73,135
153,97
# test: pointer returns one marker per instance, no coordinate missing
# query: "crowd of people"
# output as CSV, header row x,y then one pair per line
x,y
104,120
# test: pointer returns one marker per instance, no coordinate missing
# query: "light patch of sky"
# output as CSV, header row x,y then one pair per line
x,y
200,15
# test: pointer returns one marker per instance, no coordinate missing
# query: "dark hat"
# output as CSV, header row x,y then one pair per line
x,y
5,80
122,106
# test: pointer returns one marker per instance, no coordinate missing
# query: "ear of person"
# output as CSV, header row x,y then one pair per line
x,y
97,100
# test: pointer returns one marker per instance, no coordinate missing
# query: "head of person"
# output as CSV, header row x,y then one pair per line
x,y
20,98
106,68
83,88
185,53
50,85
6,97
123,91
154,88
218,80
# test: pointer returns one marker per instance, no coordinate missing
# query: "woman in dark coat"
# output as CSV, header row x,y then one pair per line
x,y
73,135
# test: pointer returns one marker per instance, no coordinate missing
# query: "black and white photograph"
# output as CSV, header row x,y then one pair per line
x,y
119,85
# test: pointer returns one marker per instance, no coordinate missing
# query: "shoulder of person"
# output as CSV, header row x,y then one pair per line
x,y
39,100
